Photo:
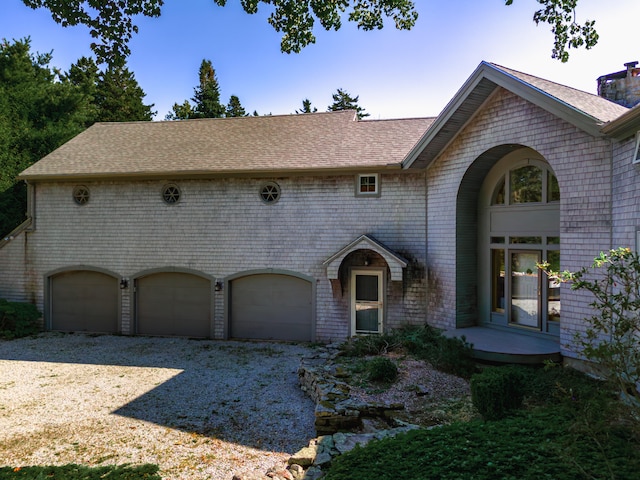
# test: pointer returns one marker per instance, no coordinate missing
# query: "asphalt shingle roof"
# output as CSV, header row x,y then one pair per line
x,y
309,142
588,103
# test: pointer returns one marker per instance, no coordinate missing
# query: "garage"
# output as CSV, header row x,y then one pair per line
x,y
173,304
84,301
271,307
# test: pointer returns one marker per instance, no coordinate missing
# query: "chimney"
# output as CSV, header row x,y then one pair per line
x,y
621,87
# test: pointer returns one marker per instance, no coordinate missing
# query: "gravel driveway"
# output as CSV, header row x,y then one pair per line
x,y
198,409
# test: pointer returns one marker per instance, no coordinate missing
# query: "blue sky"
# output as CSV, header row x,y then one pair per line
x,y
395,73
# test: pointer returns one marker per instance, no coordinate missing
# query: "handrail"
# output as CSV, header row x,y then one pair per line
x,y
15,232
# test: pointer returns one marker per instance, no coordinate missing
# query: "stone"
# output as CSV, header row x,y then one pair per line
x,y
277,473
297,472
421,390
314,473
304,457
323,458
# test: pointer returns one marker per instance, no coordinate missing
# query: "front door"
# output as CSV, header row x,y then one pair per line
x,y
367,301
525,289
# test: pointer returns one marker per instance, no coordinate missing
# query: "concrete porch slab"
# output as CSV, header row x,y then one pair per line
x,y
502,346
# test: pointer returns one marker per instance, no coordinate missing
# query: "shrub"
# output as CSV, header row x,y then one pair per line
x,y
612,334
81,472
381,369
497,391
18,319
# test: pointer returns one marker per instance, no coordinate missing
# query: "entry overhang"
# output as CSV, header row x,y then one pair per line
x,y
366,242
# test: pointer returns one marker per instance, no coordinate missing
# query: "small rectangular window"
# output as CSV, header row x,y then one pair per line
x,y
367,184
636,152
525,240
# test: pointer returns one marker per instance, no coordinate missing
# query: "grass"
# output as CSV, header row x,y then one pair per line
x,y
80,472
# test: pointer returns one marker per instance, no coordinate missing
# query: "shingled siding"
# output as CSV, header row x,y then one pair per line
x,y
583,167
220,227
626,184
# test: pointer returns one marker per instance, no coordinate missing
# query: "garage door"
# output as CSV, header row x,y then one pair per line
x,y
271,307
84,301
171,303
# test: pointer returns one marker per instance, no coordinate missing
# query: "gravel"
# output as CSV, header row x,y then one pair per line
x,y
199,409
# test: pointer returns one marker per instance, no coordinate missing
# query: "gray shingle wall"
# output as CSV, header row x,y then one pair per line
x,y
583,167
626,203
221,228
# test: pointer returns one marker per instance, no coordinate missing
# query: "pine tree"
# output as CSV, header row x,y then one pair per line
x,y
207,95
343,101
235,108
119,97
306,107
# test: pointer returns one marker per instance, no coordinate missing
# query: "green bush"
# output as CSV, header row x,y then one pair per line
x,y
536,445
381,369
18,319
80,472
450,355
498,391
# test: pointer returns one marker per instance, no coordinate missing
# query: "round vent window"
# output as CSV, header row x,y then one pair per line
x,y
171,194
81,195
270,192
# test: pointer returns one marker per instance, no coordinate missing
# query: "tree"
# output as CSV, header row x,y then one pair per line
x,y
306,107
115,94
111,21
39,111
206,98
343,101
235,108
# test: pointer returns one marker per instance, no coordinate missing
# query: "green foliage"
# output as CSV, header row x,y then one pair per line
x,y
570,432
381,369
80,472
39,110
450,355
206,97
306,107
612,334
342,100
567,33
18,319
235,108
498,391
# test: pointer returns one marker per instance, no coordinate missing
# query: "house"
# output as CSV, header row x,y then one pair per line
x,y
317,227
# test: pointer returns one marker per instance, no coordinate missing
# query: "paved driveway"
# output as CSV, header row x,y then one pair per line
x,y
199,409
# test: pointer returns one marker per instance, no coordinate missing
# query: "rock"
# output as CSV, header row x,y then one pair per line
x,y
297,472
277,473
314,473
304,457
322,459
346,443
421,390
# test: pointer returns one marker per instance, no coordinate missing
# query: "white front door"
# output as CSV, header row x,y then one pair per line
x,y
367,301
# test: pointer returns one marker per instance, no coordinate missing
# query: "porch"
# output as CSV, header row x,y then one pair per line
x,y
500,346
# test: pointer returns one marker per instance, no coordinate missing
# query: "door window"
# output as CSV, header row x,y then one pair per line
x,y
367,305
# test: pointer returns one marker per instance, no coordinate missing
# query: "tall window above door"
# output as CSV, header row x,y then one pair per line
x,y
527,184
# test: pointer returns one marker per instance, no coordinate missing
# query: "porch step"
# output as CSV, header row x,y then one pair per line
x,y
500,346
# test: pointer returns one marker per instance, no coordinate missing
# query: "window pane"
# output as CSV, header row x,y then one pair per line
x,y
497,281
524,289
553,240
553,313
497,239
553,189
366,288
498,196
526,185
366,318
526,240
368,184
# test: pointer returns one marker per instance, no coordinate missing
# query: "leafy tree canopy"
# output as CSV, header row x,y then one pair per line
x,y
306,107
111,22
206,98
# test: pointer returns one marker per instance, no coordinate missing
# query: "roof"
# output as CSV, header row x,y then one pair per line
x,y
279,143
586,111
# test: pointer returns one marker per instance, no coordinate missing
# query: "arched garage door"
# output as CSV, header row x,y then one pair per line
x,y
271,307
173,304
84,301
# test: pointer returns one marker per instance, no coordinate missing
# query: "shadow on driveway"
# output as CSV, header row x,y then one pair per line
x,y
240,392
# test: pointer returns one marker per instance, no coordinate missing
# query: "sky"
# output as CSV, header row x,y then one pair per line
x,y
396,74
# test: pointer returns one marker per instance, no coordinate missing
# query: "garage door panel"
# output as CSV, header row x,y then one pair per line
x,y
271,307
171,303
84,301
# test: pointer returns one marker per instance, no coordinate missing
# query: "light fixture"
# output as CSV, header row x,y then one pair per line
x,y
124,283
218,286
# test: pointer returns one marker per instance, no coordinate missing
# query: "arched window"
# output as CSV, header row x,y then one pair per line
x,y
526,184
